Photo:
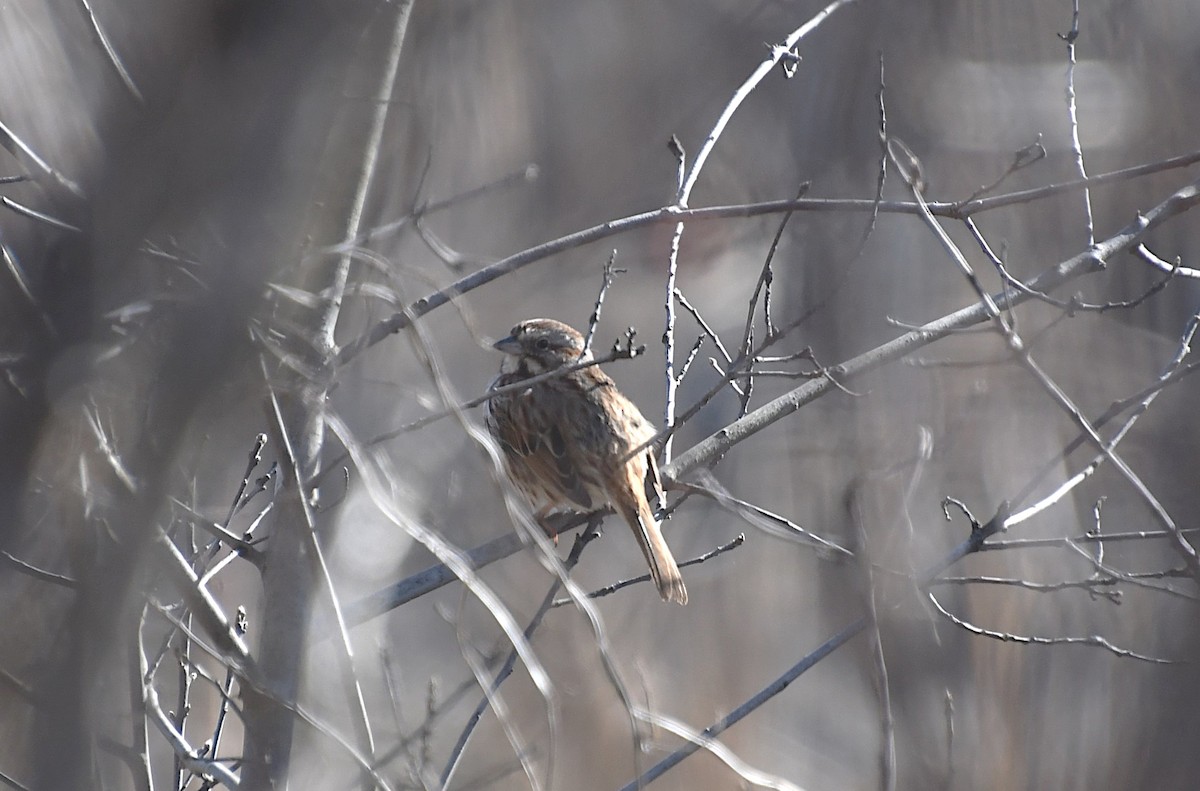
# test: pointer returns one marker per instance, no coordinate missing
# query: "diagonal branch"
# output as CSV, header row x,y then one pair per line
x,y
1083,263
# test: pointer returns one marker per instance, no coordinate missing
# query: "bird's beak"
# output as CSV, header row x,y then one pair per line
x,y
509,345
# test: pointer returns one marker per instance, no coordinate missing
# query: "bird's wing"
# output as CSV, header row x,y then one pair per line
x,y
548,452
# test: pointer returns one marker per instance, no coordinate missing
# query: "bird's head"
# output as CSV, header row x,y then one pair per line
x,y
539,345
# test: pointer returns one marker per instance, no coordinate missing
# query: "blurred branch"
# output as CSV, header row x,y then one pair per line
x,y
883,688
375,481
12,782
37,216
525,175
749,706
139,674
110,53
429,580
22,281
456,753
748,774
297,411
351,687
33,163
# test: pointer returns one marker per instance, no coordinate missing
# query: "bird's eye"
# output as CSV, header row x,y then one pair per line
x,y
543,344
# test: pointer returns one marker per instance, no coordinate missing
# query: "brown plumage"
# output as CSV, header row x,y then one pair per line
x,y
565,439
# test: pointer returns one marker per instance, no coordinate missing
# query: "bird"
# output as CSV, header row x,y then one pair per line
x,y
568,442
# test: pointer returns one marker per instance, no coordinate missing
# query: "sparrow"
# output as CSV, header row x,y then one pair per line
x,y
568,441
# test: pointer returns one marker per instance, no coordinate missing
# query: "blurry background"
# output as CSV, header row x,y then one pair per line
x,y
141,334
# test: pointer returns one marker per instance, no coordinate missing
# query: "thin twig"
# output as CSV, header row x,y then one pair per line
x,y
1074,304
1073,120
705,328
251,683
1056,393
708,332
769,522
37,573
1180,543
187,754
668,338
610,274
778,53
1067,541
1022,158
141,767
599,593
1142,252
252,463
1091,584
1171,373
691,357
1009,637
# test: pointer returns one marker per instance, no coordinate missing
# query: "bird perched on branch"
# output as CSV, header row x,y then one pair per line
x,y
568,441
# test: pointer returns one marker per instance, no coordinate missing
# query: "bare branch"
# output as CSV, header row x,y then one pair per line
x,y
712,448
37,573
1073,120
674,214
610,274
1007,637
616,586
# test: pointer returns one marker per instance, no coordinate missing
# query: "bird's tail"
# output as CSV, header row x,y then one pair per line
x,y
636,511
